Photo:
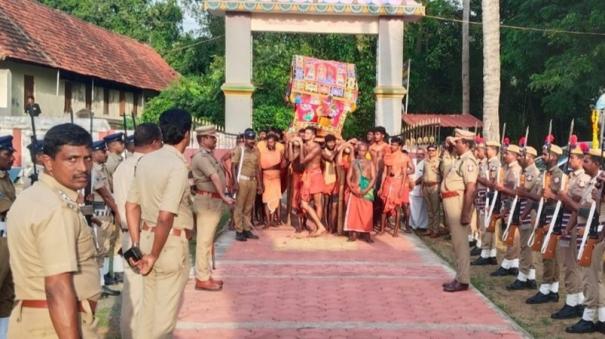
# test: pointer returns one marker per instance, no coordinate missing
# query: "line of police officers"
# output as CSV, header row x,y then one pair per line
x,y
55,252
531,196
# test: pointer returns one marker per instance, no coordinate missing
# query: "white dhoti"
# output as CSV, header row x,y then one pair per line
x,y
418,213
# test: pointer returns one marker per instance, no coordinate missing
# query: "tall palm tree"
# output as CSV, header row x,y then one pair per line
x,y
491,67
466,86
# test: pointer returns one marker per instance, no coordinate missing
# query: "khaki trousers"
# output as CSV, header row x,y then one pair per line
x,y
244,202
592,278
7,289
512,252
209,211
35,323
163,287
453,210
132,296
551,270
487,238
526,259
567,255
431,197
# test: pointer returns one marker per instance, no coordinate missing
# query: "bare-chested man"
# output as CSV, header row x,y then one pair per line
x,y
312,181
377,152
395,189
330,175
360,179
296,172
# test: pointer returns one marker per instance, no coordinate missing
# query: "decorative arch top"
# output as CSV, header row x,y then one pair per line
x,y
402,8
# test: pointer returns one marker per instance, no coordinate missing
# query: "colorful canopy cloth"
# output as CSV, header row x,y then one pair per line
x,y
359,215
323,93
269,162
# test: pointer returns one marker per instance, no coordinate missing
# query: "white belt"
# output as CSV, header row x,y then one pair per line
x,y
245,177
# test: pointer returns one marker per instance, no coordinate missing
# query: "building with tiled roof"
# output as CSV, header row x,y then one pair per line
x,y
68,64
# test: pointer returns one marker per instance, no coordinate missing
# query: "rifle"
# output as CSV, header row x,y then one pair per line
x,y
134,120
513,205
88,209
34,140
495,197
553,221
532,237
593,204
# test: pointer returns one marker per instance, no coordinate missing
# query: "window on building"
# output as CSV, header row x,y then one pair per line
x,y
135,103
122,103
88,96
28,87
106,101
67,105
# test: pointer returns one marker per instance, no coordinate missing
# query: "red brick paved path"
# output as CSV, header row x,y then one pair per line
x,y
283,287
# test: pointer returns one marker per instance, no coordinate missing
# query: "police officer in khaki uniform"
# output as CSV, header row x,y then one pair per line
x,y
556,181
115,148
431,178
7,197
458,192
159,205
209,188
247,183
510,182
487,178
579,184
53,256
593,315
532,185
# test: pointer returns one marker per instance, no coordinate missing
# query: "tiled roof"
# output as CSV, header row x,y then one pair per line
x,y
32,32
446,120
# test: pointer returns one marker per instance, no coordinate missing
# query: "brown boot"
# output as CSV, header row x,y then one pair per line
x,y
207,285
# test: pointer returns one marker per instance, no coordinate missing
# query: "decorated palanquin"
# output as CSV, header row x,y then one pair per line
x,y
323,92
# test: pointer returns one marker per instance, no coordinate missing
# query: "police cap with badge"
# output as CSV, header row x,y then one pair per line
x,y
36,147
114,137
249,134
6,143
99,145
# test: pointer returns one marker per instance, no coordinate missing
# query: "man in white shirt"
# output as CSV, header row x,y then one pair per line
x,y
418,215
147,138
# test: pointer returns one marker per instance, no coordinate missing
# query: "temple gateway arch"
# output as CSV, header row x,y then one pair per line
x,y
385,18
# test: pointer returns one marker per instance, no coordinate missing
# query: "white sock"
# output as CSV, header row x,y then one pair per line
x,y
479,243
601,313
492,253
532,274
3,327
521,276
545,288
470,237
514,263
571,300
485,254
580,298
589,314
505,264
118,265
554,287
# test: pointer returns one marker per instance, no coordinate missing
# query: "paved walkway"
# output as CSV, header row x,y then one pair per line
x,y
284,287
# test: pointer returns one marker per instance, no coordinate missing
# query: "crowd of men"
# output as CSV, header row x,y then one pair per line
x,y
125,209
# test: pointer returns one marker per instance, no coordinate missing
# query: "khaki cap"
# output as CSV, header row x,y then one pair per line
x,y
463,134
513,149
531,150
596,153
577,150
554,149
492,143
206,130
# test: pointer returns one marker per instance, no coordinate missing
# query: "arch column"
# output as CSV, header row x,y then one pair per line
x,y
389,89
238,86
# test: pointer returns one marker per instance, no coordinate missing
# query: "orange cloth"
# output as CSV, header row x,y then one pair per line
x,y
313,183
358,217
296,189
393,193
271,178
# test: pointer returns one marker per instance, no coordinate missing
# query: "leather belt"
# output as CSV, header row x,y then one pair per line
x,y
449,194
44,304
429,184
210,194
174,231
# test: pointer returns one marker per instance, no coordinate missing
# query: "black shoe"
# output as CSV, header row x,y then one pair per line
x,y
513,271
109,279
118,277
582,326
475,251
250,235
579,310
540,298
472,243
108,291
521,285
500,272
240,236
493,261
600,327
567,312
482,262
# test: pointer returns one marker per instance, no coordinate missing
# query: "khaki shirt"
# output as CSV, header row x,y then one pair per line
x,y
7,192
586,200
122,180
161,183
251,161
483,172
578,182
446,163
203,166
533,179
493,166
511,179
113,160
100,179
431,170
49,236
464,171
